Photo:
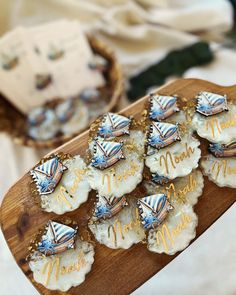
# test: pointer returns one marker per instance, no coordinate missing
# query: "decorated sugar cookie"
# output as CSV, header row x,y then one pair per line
x,y
116,167
220,167
73,115
114,125
215,119
61,184
60,259
170,157
178,225
121,230
162,107
42,124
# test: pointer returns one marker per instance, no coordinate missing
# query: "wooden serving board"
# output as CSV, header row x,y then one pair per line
x,y
114,271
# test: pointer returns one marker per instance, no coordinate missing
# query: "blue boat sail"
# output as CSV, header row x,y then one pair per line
x,y
153,210
209,104
162,107
114,125
47,175
106,153
162,134
223,150
57,238
106,207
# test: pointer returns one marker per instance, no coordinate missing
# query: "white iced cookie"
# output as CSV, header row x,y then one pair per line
x,y
176,233
124,175
214,120
183,190
120,231
67,186
61,260
73,115
42,124
222,171
179,227
177,159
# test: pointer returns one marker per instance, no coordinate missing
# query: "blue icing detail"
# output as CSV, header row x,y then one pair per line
x,y
102,210
149,220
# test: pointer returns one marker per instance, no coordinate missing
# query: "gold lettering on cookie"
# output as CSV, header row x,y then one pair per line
x,y
62,196
174,160
113,175
216,127
79,174
222,166
122,229
54,268
181,194
167,237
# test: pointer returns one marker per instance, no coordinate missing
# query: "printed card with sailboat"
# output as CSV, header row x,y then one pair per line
x,y
20,67
64,49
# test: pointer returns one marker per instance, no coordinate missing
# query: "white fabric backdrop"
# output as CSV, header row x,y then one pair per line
x,y
141,32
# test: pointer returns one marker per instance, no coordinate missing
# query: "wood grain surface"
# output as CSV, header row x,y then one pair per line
x,y
114,271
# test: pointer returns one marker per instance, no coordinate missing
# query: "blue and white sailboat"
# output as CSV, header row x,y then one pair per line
x,y
154,210
106,207
209,104
162,107
114,125
106,153
162,134
58,238
47,175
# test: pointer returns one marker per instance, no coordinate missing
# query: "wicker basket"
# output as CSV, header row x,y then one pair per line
x,y
13,122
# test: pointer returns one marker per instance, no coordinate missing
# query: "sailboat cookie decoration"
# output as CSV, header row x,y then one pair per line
x,y
223,150
48,175
158,179
114,125
162,107
106,153
153,210
57,238
106,207
209,104
162,134
42,81
9,62
55,53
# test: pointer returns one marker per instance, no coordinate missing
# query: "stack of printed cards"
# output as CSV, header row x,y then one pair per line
x,y
46,62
